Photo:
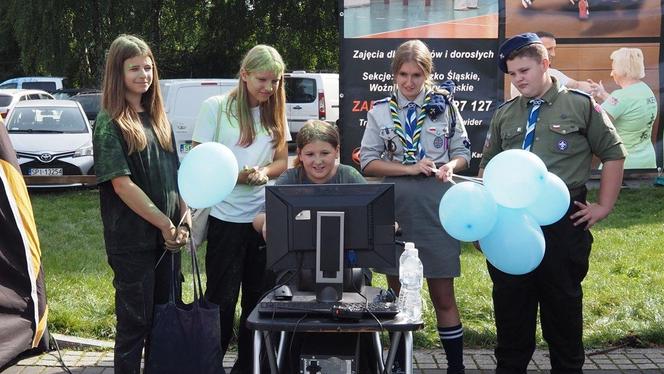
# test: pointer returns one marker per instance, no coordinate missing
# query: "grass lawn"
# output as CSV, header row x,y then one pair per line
x,y
624,289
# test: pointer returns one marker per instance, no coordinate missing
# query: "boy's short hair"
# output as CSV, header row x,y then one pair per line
x,y
535,51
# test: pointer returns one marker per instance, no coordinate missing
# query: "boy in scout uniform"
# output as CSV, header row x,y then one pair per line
x,y
565,128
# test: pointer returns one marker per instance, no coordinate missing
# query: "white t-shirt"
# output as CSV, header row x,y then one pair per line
x,y
559,75
245,201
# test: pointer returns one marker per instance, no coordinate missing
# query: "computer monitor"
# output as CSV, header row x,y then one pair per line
x,y
329,228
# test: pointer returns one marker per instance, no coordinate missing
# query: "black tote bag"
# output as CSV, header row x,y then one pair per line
x,y
185,338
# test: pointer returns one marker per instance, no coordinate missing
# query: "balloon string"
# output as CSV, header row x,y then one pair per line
x,y
182,219
471,179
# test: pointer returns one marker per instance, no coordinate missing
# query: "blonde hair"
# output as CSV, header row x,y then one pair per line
x,y
414,51
117,107
261,58
628,62
312,131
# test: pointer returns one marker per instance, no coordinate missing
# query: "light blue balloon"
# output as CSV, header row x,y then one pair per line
x,y
207,175
467,211
515,177
516,243
552,202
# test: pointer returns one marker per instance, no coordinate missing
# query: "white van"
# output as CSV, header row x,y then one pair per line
x,y
48,84
311,96
182,102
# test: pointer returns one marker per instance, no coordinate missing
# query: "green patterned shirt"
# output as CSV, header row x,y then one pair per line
x,y
153,170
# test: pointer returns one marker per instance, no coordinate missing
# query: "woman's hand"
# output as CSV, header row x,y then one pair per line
x,y
169,233
445,173
244,173
183,235
253,175
597,90
425,166
258,177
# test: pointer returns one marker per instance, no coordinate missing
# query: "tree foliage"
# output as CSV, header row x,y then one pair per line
x,y
190,38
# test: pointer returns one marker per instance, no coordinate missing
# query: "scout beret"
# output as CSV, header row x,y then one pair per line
x,y
514,44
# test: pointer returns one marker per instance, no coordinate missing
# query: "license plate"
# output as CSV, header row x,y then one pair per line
x,y
45,172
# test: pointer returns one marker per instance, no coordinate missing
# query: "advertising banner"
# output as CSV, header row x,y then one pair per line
x,y
464,36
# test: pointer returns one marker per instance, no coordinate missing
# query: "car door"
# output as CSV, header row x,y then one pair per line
x,y
301,101
188,97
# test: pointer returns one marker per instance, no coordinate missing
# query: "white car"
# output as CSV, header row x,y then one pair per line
x,y
311,96
182,101
9,98
49,84
53,143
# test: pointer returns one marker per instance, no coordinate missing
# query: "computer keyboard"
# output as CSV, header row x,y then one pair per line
x,y
382,310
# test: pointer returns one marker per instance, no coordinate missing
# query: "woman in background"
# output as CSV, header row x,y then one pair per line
x,y
632,107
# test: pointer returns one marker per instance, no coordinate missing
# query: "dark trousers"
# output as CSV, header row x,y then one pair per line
x,y
235,256
138,287
554,286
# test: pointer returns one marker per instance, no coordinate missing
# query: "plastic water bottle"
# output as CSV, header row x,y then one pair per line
x,y
410,276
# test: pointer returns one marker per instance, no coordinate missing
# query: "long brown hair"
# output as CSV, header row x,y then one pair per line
x,y
273,112
117,107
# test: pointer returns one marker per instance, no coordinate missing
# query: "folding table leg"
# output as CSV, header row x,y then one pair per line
x,y
378,347
269,348
257,352
409,351
282,349
392,352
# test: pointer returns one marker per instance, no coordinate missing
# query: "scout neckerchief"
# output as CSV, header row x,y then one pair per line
x,y
410,135
530,126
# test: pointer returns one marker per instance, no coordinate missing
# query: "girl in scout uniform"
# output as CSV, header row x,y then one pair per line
x,y
251,121
415,139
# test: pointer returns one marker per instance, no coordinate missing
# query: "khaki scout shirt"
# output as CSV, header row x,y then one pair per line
x,y
380,130
570,129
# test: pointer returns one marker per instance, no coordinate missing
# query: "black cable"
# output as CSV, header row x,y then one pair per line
x,y
278,284
292,338
366,306
59,356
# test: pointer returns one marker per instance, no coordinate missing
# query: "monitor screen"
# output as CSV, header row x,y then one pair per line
x,y
351,224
